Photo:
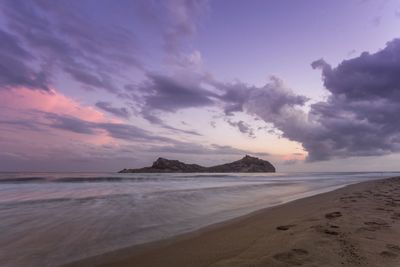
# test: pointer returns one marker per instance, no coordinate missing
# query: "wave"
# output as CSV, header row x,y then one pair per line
x,y
212,175
23,180
97,179
145,178
78,200
77,179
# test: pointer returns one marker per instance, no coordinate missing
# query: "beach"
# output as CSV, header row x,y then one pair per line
x,y
358,225
76,216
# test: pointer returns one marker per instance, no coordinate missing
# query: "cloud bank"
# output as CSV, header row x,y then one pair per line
x,y
359,117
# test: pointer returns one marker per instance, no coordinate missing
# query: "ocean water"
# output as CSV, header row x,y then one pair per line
x,y
47,219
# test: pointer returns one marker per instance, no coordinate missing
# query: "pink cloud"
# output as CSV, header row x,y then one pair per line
x,y
53,102
20,105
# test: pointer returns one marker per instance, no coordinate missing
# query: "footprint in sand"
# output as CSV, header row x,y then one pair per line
x,y
391,204
396,216
330,232
374,225
392,247
368,229
296,256
377,222
285,227
388,254
333,215
325,230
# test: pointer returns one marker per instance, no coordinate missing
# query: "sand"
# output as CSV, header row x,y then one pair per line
x,y
358,225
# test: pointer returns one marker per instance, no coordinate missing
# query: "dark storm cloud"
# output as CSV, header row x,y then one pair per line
x,y
234,96
170,94
167,94
61,38
14,68
367,77
272,102
159,94
156,97
273,95
360,117
107,106
279,106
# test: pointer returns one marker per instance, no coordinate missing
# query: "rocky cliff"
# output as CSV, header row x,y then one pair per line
x,y
246,164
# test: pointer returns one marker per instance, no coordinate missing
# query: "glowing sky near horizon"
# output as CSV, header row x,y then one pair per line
x,y
103,85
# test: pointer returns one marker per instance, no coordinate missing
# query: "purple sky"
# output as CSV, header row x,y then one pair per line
x,y
100,85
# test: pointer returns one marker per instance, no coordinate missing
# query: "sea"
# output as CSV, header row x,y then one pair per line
x,y
49,219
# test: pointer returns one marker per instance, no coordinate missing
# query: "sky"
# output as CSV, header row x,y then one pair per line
x,y
100,85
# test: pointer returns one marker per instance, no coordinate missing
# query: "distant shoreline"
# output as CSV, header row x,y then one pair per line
x,y
357,225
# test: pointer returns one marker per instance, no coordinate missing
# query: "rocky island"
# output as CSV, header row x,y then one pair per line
x,y
246,164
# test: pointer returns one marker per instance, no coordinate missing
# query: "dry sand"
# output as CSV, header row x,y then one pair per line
x,y
358,225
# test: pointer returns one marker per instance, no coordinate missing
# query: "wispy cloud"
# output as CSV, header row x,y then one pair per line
x,y
64,40
119,112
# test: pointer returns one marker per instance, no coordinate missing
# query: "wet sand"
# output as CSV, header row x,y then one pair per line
x,y
358,225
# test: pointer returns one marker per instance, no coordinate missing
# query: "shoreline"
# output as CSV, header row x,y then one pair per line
x,y
283,235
